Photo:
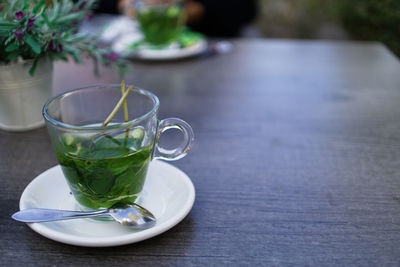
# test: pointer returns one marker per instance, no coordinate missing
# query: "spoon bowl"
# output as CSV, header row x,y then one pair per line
x,y
131,215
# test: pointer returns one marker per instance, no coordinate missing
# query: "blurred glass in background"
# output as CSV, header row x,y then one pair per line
x,y
222,18
374,20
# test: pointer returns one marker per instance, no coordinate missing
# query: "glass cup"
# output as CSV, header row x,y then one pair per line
x,y
159,20
105,165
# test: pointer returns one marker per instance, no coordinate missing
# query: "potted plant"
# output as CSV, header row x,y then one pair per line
x,y
33,34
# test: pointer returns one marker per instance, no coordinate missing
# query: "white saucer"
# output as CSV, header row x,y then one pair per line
x,y
173,52
168,193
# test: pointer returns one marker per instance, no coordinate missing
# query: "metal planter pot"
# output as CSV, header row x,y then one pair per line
x,y
22,96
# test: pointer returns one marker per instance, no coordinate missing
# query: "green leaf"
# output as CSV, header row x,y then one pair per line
x,y
77,38
65,35
6,23
62,57
6,26
46,20
9,39
38,6
56,11
33,67
11,56
74,53
96,66
25,5
32,43
11,47
70,17
11,5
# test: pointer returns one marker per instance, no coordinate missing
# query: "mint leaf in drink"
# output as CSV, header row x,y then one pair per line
x,y
106,175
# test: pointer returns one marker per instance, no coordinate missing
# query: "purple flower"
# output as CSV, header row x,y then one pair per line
x,y
19,34
19,15
111,56
89,16
82,5
52,47
30,23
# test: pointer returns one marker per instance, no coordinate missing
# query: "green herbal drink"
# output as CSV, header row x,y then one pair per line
x,y
104,140
105,170
160,24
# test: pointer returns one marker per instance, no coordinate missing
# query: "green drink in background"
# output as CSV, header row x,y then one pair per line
x,y
105,170
160,25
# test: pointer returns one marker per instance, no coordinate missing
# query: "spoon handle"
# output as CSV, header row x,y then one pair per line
x,y
47,215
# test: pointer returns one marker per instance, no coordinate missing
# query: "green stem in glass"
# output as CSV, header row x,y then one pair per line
x,y
125,104
117,107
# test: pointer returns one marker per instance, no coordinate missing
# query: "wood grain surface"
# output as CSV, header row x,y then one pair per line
x,y
296,160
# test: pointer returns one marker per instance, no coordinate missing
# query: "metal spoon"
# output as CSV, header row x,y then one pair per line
x,y
131,215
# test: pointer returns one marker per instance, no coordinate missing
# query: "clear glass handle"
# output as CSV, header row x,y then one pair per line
x,y
183,148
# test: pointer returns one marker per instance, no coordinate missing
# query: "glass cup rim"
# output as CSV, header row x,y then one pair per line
x,y
153,97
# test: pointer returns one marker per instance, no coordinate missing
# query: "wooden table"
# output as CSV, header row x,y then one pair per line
x,y
296,160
